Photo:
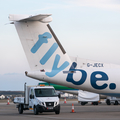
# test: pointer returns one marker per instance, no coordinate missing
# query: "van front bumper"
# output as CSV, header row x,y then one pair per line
x,y
41,108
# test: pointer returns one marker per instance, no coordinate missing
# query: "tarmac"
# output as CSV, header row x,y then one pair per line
x,y
87,112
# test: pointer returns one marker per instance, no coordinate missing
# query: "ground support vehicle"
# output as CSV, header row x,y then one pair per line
x,y
112,100
84,97
38,99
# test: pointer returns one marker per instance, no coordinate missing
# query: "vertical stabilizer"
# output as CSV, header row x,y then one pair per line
x,y
41,46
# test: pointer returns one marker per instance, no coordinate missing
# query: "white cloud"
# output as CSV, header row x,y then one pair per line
x,y
103,4
42,9
113,5
54,6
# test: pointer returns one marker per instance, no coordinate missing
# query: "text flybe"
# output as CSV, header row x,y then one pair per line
x,y
93,78
55,70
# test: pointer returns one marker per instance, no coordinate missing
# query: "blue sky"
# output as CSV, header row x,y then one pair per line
x,y
86,28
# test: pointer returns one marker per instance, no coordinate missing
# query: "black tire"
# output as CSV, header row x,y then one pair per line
x,y
83,103
57,112
95,103
20,109
108,102
35,111
116,102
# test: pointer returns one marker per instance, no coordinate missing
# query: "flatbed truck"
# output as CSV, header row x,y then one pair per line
x,y
38,99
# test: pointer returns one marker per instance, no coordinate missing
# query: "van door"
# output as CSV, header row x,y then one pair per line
x,y
31,99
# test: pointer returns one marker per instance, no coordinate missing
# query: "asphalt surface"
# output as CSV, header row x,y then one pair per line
x,y
87,112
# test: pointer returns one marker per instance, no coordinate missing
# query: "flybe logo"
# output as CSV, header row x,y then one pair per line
x,y
43,39
93,78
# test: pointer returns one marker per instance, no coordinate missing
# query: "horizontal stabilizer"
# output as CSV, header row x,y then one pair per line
x,y
45,18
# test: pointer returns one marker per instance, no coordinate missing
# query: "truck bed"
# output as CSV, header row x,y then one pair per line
x,y
19,100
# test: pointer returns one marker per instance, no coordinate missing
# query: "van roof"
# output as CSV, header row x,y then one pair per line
x,y
42,87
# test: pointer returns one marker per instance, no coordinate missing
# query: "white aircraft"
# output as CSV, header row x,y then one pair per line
x,y
49,61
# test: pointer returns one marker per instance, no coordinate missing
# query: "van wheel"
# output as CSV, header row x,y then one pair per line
x,y
20,109
57,112
35,111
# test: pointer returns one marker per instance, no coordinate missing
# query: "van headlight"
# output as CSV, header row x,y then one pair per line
x,y
56,103
40,103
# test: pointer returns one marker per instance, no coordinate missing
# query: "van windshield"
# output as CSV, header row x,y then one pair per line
x,y
45,92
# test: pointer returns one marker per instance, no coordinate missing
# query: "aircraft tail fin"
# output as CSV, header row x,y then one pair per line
x,y
41,46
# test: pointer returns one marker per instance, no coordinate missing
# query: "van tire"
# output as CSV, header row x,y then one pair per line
x,y
57,112
20,109
35,111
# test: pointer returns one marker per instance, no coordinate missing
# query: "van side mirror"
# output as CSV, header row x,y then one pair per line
x,y
59,95
31,96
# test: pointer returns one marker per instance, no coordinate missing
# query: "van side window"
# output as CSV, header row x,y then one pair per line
x,y
32,93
